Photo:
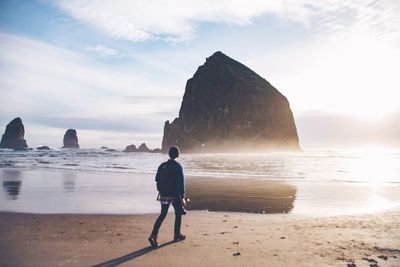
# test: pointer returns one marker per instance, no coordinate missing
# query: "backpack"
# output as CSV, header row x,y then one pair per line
x,y
165,180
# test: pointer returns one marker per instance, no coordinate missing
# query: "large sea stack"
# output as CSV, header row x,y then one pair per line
x,y
229,107
71,139
13,137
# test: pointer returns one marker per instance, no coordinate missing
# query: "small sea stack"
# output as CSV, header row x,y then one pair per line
x,y
130,148
71,139
13,136
43,148
142,148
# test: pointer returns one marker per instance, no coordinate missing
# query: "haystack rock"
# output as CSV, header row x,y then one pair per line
x,y
229,107
13,136
71,139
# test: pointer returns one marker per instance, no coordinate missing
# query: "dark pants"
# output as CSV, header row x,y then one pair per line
x,y
176,203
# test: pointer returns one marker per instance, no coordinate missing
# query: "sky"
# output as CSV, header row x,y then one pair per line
x,y
116,70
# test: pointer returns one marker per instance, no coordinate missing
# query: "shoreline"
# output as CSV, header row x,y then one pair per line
x,y
74,192
213,238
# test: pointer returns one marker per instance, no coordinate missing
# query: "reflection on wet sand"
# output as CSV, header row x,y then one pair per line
x,y
69,181
237,195
11,182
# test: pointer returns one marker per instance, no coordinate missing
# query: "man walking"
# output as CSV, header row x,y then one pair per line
x,y
171,188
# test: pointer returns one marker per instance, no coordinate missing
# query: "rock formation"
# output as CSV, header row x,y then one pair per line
x,y
43,148
71,139
13,136
229,107
156,150
130,148
141,148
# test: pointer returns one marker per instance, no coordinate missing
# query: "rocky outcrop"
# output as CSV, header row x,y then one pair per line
x,y
130,148
229,107
156,150
71,139
141,148
43,148
13,136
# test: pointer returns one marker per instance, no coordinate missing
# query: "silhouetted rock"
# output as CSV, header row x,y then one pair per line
x,y
143,148
13,136
43,148
130,148
156,150
227,106
71,139
104,147
110,150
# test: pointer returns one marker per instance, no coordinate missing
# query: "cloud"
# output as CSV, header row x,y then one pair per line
x,y
104,50
178,19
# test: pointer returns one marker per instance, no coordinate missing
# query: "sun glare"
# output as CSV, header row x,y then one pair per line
x,y
356,76
376,165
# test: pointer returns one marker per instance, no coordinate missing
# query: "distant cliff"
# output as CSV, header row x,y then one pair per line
x,y
229,107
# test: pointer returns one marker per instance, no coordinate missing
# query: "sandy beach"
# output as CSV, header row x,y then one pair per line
x,y
213,239
52,217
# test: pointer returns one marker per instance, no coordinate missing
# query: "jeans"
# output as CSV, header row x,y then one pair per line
x,y
176,203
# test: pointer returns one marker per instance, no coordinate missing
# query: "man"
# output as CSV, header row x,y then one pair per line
x,y
171,188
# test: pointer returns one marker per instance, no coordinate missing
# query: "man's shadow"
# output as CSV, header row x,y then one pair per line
x,y
130,256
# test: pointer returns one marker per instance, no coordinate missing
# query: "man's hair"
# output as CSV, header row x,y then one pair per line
x,y
173,152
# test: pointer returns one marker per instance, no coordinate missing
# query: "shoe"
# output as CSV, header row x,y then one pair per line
x,y
179,237
153,241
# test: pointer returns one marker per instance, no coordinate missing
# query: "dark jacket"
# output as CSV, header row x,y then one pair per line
x,y
176,179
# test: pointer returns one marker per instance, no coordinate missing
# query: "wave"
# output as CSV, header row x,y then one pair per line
x,y
321,165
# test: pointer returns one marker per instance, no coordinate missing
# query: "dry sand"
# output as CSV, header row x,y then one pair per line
x,y
213,239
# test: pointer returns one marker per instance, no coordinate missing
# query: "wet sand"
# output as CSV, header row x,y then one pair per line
x,y
61,191
238,195
213,239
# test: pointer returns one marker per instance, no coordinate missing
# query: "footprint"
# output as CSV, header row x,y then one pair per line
x,y
383,257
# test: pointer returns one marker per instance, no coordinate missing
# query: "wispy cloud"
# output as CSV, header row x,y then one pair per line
x,y
104,50
178,19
